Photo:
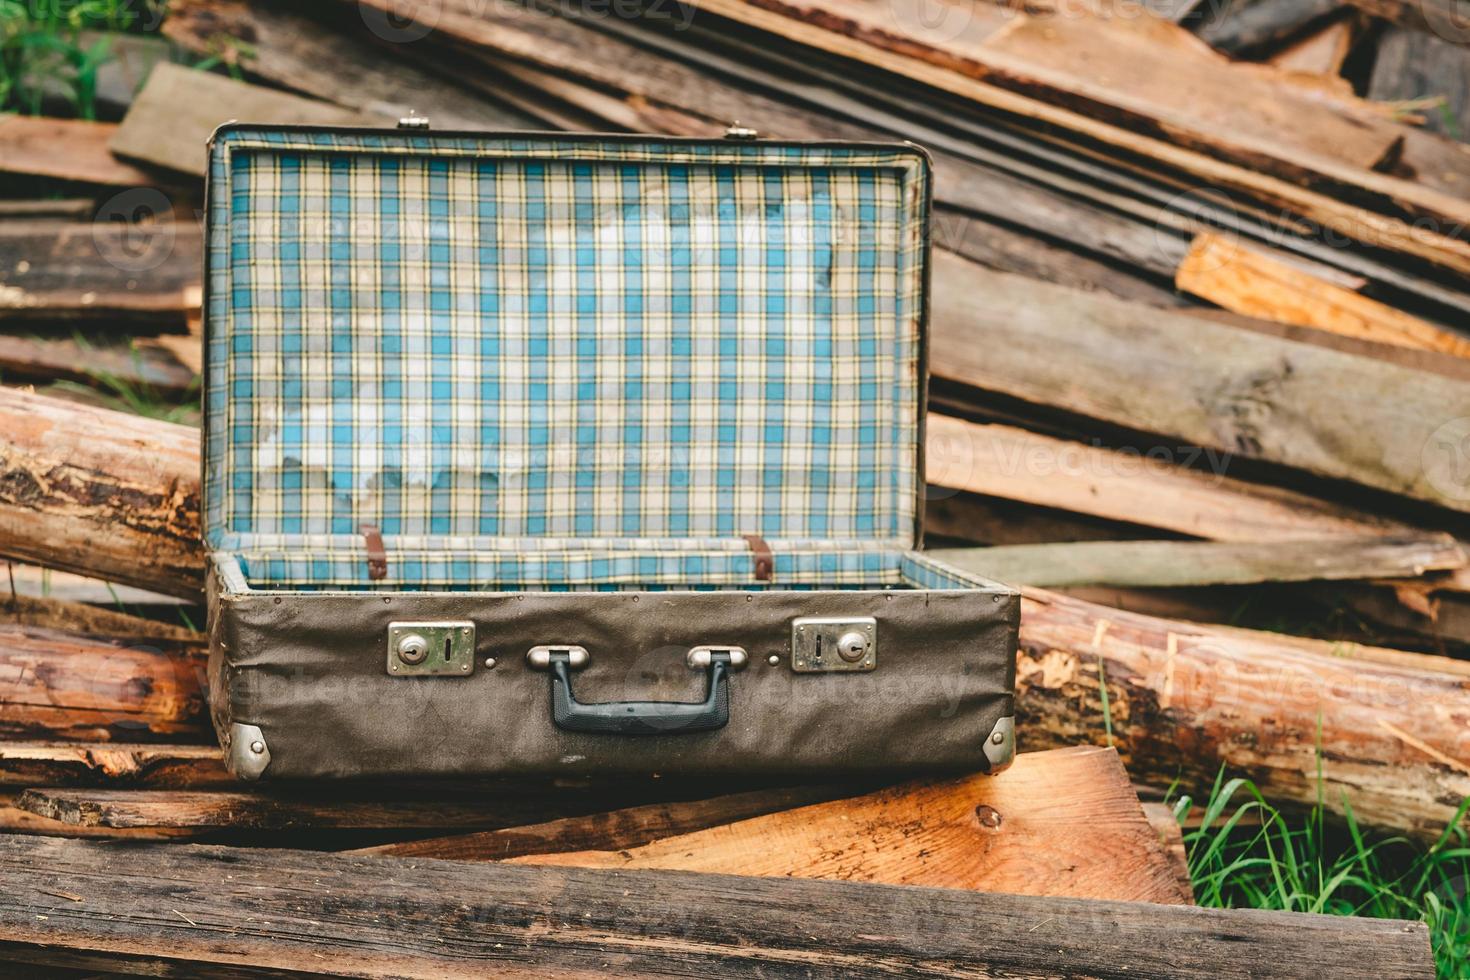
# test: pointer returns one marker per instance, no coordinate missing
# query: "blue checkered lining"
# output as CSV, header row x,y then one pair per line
x,y
799,566
495,347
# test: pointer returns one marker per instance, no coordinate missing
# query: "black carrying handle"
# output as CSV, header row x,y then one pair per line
x,y
640,717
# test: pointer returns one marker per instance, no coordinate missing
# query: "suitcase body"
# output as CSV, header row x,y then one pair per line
x,y
551,455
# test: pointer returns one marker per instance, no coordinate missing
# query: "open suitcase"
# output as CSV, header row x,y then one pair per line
x,y
579,455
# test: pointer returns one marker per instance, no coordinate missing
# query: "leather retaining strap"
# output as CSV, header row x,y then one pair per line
x,y
765,562
377,556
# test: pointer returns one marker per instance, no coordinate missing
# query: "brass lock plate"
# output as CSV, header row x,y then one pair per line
x,y
833,644
433,649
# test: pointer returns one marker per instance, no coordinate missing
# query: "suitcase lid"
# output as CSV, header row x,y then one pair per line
x,y
561,338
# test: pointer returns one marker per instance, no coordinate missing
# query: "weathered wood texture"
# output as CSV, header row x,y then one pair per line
x,y
1207,384
115,764
149,908
1012,463
1348,217
78,617
100,492
1057,823
274,809
65,149
330,62
1185,699
614,829
1162,564
1246,280
1323,51
72,686
170,123
100,270
140,365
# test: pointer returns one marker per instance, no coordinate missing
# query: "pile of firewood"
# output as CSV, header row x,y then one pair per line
x,y
1197,367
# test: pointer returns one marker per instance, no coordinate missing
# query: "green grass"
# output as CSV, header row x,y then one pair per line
x,y
1248,854
40,42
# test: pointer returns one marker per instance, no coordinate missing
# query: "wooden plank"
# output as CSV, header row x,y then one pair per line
x,y
1169,564
66,149
62,685
1206,384
1012,463
1065,822
100,492
331,62
161,766
47,612
14,820
1385,230
173,117
52,358
628,827
1322,52
981,519
177,908
107,271
32,209
1171,835
1247,281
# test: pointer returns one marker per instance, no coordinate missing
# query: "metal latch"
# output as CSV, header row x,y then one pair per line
x,y
436,649
827,644
413,121
739,132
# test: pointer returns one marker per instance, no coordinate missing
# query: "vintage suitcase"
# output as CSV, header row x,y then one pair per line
x,y
579,455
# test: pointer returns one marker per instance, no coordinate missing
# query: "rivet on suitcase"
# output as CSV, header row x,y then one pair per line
x,y
579,455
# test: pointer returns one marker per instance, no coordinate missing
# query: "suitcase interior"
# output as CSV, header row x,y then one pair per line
x,y
560,363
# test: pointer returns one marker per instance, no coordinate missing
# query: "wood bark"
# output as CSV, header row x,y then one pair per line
x,y
73,686
1163,564
178,908
1207,384
78,617
1057,823
101,493
1245,280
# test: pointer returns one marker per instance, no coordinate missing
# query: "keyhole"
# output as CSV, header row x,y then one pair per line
x,y
448,649
819,647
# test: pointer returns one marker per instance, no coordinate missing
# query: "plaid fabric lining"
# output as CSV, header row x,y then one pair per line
x,y
453,338
799,566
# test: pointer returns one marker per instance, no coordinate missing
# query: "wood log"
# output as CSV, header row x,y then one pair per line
x,y
101,493
32,209
1167,564
62,685
1185,700
14,820
1246,280
1207,384
25,764
629,827
1057,823
177,908
65,149
1322,52
172,119
109,271
975,519
1014,464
